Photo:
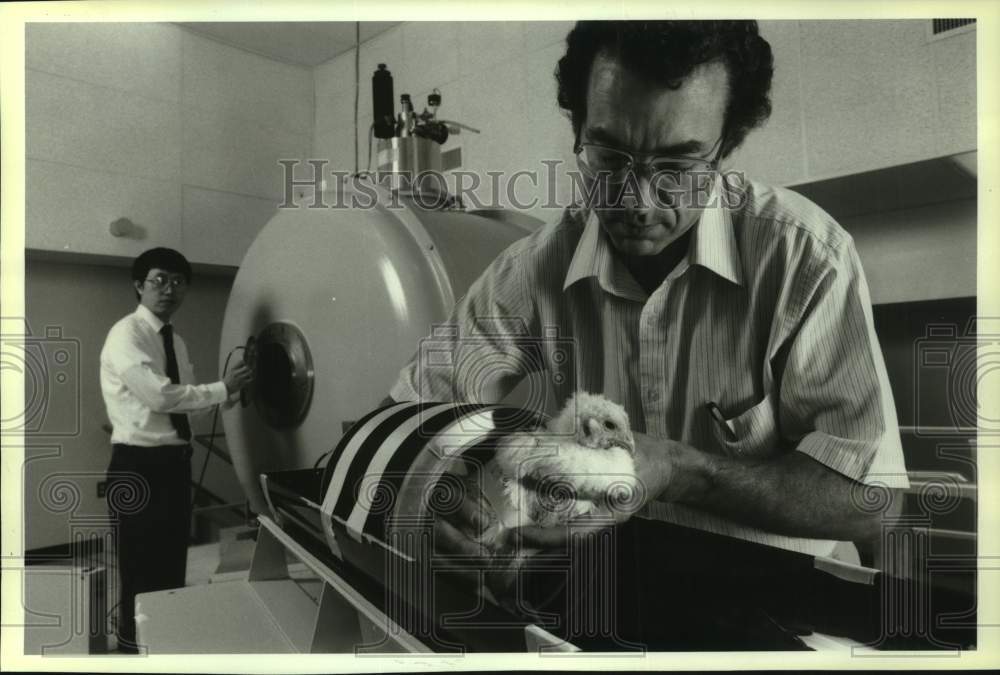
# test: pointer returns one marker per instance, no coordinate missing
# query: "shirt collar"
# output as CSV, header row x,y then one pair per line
x,y
585,257
713,246
594,257
143,312
713,242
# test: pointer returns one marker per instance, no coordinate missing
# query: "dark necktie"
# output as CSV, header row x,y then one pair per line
x,y
179,420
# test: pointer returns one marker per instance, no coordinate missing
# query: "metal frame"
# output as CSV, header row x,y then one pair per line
x,y
345,620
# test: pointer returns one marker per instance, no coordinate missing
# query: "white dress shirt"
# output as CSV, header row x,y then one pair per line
x,y
137,392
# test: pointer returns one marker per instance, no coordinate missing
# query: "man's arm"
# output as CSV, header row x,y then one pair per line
x,y
235,378
792,494
163,396
150,384
834,404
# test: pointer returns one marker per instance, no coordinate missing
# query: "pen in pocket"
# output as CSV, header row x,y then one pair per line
x,y
724,425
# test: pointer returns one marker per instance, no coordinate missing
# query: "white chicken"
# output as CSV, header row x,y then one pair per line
x,y
549,476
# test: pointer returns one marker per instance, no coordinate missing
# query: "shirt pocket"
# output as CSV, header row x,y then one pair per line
x,y
751,433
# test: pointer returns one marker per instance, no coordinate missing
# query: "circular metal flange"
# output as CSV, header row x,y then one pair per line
x,y
283,381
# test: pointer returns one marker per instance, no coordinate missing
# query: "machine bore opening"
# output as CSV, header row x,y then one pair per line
x,y
284,375
274,369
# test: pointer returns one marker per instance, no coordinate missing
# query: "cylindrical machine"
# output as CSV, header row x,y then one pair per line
x,y
410,155
336,301
397,471
390,467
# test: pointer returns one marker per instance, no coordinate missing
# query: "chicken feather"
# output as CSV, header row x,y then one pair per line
x,y
548,476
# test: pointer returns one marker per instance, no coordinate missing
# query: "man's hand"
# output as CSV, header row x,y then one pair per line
x,y
463,516
654,468
470,542
237,378
465,523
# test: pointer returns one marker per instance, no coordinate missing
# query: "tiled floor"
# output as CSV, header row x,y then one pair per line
x,y
202,562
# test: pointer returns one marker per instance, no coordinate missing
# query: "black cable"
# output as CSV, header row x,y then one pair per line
x,y
211,436
357,87
110,614
367,173
371,131
208,453
325,454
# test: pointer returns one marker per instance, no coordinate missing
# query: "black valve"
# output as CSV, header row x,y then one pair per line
x,y
435,131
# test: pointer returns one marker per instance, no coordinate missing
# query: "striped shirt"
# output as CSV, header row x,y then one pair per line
x,y
768,316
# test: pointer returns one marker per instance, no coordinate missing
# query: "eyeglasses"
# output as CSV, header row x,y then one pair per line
x,y
669,175
160,281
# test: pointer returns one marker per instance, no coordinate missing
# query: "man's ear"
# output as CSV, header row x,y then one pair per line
x,y
137,285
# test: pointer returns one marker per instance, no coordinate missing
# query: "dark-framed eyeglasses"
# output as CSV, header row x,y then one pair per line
x,y
675,180
161,281
615,164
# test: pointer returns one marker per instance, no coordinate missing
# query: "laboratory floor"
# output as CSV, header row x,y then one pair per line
x,y
224,560
62,598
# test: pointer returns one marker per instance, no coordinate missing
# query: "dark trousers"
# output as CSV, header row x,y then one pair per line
x,y
149,499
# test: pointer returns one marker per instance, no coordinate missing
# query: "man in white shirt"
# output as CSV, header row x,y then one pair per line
x,y
148,385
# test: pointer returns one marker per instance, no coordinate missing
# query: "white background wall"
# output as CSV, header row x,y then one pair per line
x,y
177,132
182,135
848,96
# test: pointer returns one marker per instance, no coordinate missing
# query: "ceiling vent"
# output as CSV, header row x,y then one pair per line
x,y
941,28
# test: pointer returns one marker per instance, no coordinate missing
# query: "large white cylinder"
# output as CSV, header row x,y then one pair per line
x,y
337,300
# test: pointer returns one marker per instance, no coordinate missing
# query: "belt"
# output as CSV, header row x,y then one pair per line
x,y
154,451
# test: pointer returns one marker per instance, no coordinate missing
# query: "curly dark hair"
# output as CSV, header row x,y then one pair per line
x,y
666,52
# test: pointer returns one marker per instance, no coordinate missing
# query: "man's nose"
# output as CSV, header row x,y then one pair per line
x,y
639,199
